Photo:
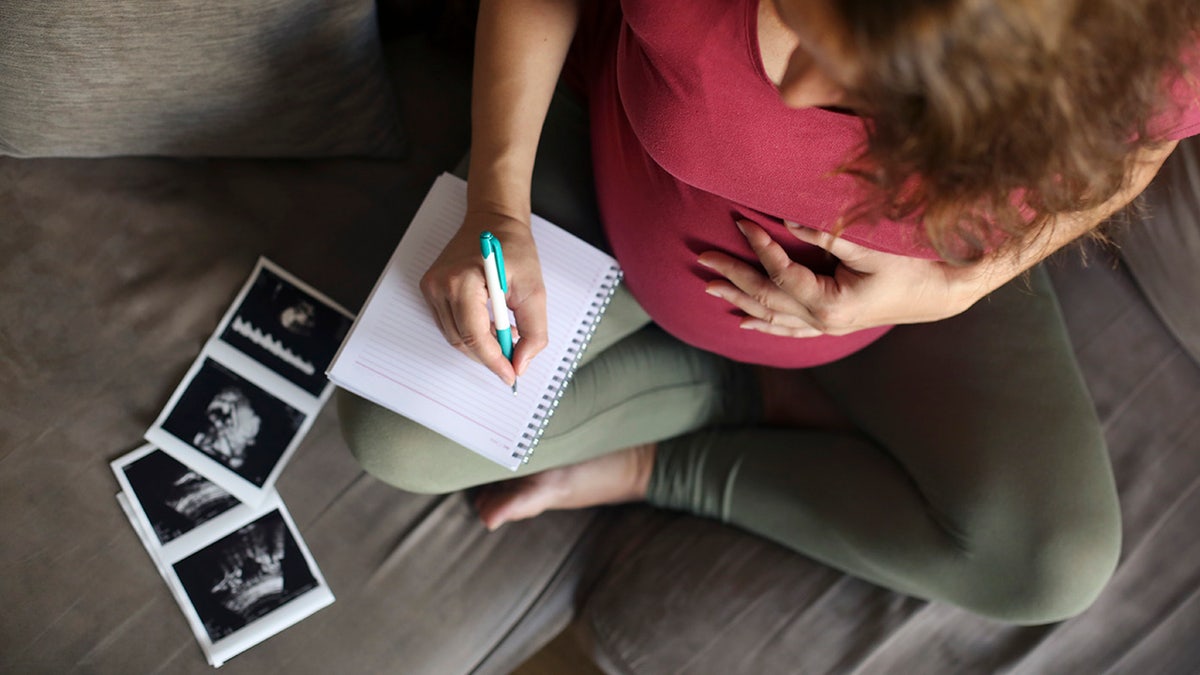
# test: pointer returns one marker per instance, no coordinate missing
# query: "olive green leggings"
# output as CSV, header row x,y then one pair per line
x,y
974,471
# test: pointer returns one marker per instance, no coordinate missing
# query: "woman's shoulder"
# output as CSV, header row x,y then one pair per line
x,y
683,20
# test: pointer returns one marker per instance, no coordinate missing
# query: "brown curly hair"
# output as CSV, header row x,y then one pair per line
x,y
975,106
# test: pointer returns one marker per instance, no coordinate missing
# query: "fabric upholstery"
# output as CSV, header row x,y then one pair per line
x,y
274,78
113,272
108,296
1164,251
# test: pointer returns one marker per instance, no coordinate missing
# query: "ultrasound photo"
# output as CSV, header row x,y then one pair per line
x,y
288,330
245,575
175,499
234,422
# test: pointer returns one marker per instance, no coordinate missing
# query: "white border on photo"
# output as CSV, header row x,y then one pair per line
x,y
186,541
143,535
245,491
263,376
220,346
147,539
265,626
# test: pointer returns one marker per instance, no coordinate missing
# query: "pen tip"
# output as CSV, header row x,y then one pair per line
x,y
514,387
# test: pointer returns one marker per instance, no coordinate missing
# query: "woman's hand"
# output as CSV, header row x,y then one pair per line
x,y
455,288
867,289
520,47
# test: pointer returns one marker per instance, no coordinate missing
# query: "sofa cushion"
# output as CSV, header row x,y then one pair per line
x,y
222,78
114,273
1162,247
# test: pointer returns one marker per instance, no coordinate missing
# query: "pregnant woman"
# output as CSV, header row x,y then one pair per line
x,y
833,331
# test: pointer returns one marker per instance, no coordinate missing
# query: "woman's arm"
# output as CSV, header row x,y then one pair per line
x,y
870,288
520,48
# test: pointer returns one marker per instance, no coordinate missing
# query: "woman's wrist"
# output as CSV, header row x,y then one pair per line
x,y
497,190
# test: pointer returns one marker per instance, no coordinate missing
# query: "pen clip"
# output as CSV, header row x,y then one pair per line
x,y
488,245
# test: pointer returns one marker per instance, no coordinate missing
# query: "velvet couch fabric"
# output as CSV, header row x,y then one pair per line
x,y
270,78
1162,247
113,272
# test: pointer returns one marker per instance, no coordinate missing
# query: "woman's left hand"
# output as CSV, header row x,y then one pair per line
x,y
868,288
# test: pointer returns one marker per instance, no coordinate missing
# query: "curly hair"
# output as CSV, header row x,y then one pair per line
x,y
987,118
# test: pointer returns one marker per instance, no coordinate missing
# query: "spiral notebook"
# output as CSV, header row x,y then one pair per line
x,y
395,355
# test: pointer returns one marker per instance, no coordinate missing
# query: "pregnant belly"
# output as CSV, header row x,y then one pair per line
x,y
658,227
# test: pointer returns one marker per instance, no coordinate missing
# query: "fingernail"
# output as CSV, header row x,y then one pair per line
x,y
741,228
713,292
793,225
702,262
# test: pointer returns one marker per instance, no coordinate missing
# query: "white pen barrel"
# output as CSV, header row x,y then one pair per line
x,y
496,293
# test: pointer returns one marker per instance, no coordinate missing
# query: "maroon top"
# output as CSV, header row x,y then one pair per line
x,y
688,135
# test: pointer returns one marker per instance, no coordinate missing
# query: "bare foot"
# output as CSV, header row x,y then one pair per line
x,y
622,476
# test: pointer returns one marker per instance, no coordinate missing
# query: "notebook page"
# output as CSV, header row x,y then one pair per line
x,y
395,355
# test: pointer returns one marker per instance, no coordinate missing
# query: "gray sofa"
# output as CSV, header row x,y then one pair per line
x,y
116,269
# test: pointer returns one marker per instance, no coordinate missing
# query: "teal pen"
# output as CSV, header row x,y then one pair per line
x,y
497,285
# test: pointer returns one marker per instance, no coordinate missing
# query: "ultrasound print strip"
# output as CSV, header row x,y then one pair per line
x,y
174,498
286,326
234,422
245,575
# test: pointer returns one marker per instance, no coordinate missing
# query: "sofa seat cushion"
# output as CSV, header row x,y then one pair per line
x,y
273,78
114,273
1162,246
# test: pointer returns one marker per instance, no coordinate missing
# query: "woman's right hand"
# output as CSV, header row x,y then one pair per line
x,y
520,48
456,290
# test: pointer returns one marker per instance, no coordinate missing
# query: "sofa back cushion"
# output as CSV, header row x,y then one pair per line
x,y
272,78
1163,251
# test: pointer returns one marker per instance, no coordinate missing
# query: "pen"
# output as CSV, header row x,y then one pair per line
x,y
497,284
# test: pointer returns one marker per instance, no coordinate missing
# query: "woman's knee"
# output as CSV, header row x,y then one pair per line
x,y
396,450
1062,579
1053,571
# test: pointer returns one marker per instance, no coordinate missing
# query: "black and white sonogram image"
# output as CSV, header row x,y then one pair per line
x,y
245,575
288,330
175,499
233,421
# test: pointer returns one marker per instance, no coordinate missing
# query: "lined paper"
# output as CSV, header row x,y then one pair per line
x,y
395,355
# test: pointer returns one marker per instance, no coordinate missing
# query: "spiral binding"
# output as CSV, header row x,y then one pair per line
x,y
566,369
